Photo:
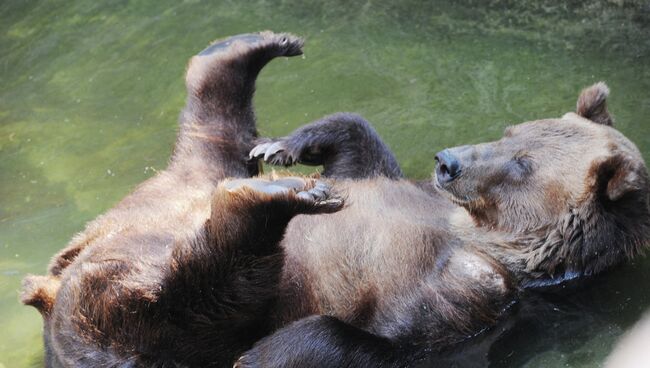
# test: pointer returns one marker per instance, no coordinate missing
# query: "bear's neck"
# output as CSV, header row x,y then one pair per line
x,y
549,255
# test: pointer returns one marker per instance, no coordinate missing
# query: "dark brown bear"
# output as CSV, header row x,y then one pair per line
x,y
201,266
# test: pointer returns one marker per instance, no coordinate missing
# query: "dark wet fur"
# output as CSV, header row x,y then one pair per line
x,y
187,271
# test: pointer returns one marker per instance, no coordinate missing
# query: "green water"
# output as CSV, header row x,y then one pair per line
x,y
90,92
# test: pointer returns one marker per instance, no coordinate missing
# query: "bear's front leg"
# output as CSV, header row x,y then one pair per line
x,y
345,144
324,342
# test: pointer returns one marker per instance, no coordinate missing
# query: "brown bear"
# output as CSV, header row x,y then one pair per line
x,y
204,266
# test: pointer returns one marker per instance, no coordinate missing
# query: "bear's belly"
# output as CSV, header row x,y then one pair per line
x,y
382,264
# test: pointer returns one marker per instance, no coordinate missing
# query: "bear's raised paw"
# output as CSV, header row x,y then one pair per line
x,y
316,194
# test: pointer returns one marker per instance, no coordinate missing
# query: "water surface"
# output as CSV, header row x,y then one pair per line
x,y
90,92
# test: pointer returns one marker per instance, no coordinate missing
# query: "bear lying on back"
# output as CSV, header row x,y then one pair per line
x,y
204,265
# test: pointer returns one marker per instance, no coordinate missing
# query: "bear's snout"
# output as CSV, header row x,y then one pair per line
x,y
447,168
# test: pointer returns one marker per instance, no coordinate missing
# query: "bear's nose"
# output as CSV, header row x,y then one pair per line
x,y
448,167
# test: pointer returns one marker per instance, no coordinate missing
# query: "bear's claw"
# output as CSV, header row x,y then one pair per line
x,y
273,153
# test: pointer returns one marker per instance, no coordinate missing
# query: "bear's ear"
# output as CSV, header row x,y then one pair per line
x,y
619,175
592,104
40,292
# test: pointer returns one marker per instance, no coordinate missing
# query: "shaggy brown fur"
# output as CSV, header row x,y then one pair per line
x,y
194,269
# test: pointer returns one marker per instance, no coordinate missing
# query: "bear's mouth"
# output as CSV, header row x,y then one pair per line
x,y
465,201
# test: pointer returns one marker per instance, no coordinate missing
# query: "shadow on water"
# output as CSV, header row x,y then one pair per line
x,y
572,325
90,91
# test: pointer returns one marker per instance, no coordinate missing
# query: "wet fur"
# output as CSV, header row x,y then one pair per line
x,y
345,144
184,272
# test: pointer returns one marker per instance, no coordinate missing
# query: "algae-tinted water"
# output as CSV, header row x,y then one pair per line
x,y
90,91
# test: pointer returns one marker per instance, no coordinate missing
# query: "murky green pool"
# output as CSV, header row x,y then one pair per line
x,y
90,91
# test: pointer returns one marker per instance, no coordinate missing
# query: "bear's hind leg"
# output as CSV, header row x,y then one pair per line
x,y
220,286
217,125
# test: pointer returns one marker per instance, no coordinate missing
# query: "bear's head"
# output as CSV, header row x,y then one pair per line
x,y
574,192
